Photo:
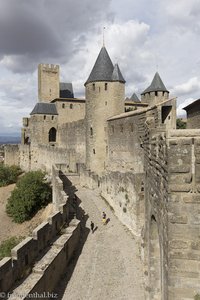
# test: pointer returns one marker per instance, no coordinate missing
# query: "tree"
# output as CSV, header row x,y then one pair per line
x,y
8,174
7,245
180,124
31,194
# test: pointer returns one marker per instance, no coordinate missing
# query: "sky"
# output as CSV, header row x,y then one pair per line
x,y
143,37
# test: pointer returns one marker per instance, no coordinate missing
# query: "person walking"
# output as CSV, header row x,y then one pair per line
x,y
104,218
92,226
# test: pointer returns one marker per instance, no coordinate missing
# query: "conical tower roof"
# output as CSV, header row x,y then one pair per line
x,y
103,69
156,85
117,75
135,98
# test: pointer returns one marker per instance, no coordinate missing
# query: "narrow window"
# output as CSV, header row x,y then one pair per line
x,y
132,127
71,106
63,105
94,151
106,86
52,135
156,93
44,117
121,128
99,89
93,86
91,131
106,103
52,117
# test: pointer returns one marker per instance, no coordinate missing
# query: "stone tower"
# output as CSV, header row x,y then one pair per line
x,y
156,92
48,82
105,93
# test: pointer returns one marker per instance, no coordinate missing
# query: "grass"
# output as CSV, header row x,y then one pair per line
x,y
7,245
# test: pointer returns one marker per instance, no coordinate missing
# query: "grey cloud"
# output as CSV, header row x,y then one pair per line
x,y
43,30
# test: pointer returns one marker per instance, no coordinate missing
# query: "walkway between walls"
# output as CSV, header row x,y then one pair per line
x,y
108,266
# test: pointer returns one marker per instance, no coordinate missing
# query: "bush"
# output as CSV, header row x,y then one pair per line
x,y
9,175
31,194
180,124
7,245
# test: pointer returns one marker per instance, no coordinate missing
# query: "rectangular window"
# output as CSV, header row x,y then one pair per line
x,y
93,86
63,105
106,86
71,106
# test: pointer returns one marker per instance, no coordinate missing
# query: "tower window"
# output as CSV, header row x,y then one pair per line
x,y
52,117
71,106
106,86
132,127
63,105
44,117
52,135
91,131
93,86
156,93
94,151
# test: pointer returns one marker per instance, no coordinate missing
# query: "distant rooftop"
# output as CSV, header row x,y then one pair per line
x,y
44,109
156,85
66,90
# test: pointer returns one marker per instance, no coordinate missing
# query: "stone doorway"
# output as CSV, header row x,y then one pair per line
x,y
154,262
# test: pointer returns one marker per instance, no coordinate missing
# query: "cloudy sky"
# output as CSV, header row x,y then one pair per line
x,y
141,36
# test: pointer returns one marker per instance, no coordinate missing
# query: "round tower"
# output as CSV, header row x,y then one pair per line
x,y
105,93
156,92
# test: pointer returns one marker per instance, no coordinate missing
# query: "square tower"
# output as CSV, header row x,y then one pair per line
x,y
48,82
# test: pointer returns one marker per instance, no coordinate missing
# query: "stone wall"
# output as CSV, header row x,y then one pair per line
x,y
184,214
11,155
193,117
26,256
70,110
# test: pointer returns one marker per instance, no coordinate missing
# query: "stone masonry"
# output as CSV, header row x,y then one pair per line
x,y
146,169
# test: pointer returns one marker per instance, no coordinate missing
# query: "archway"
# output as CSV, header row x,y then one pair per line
x,y
154,262
52,135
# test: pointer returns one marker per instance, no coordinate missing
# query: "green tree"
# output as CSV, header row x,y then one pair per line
x,y
8,174
31,193
7,245
180,124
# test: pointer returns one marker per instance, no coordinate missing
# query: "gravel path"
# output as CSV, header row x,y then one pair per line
x,y
108,266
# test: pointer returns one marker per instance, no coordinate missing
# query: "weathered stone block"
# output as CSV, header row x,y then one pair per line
x,y
178,219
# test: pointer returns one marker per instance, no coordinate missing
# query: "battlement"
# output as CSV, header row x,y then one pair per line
x,y
48,68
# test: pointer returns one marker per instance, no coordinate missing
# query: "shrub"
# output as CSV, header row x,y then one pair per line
x,y
7,245
30,194
9,175
180,124
197,297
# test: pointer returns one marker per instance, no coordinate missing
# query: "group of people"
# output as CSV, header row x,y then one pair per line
x,y
104,221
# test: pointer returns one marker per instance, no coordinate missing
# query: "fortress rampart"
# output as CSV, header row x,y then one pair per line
x,y
43,257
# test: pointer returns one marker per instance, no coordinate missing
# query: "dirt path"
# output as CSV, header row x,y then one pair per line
x,y
108,266
9,228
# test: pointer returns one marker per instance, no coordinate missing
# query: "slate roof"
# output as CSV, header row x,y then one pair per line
x,y
66,90
191,105
117,75
44,109
135,98
156,85
104,70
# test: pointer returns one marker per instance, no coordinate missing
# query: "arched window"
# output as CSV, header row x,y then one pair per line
x,y
52,135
